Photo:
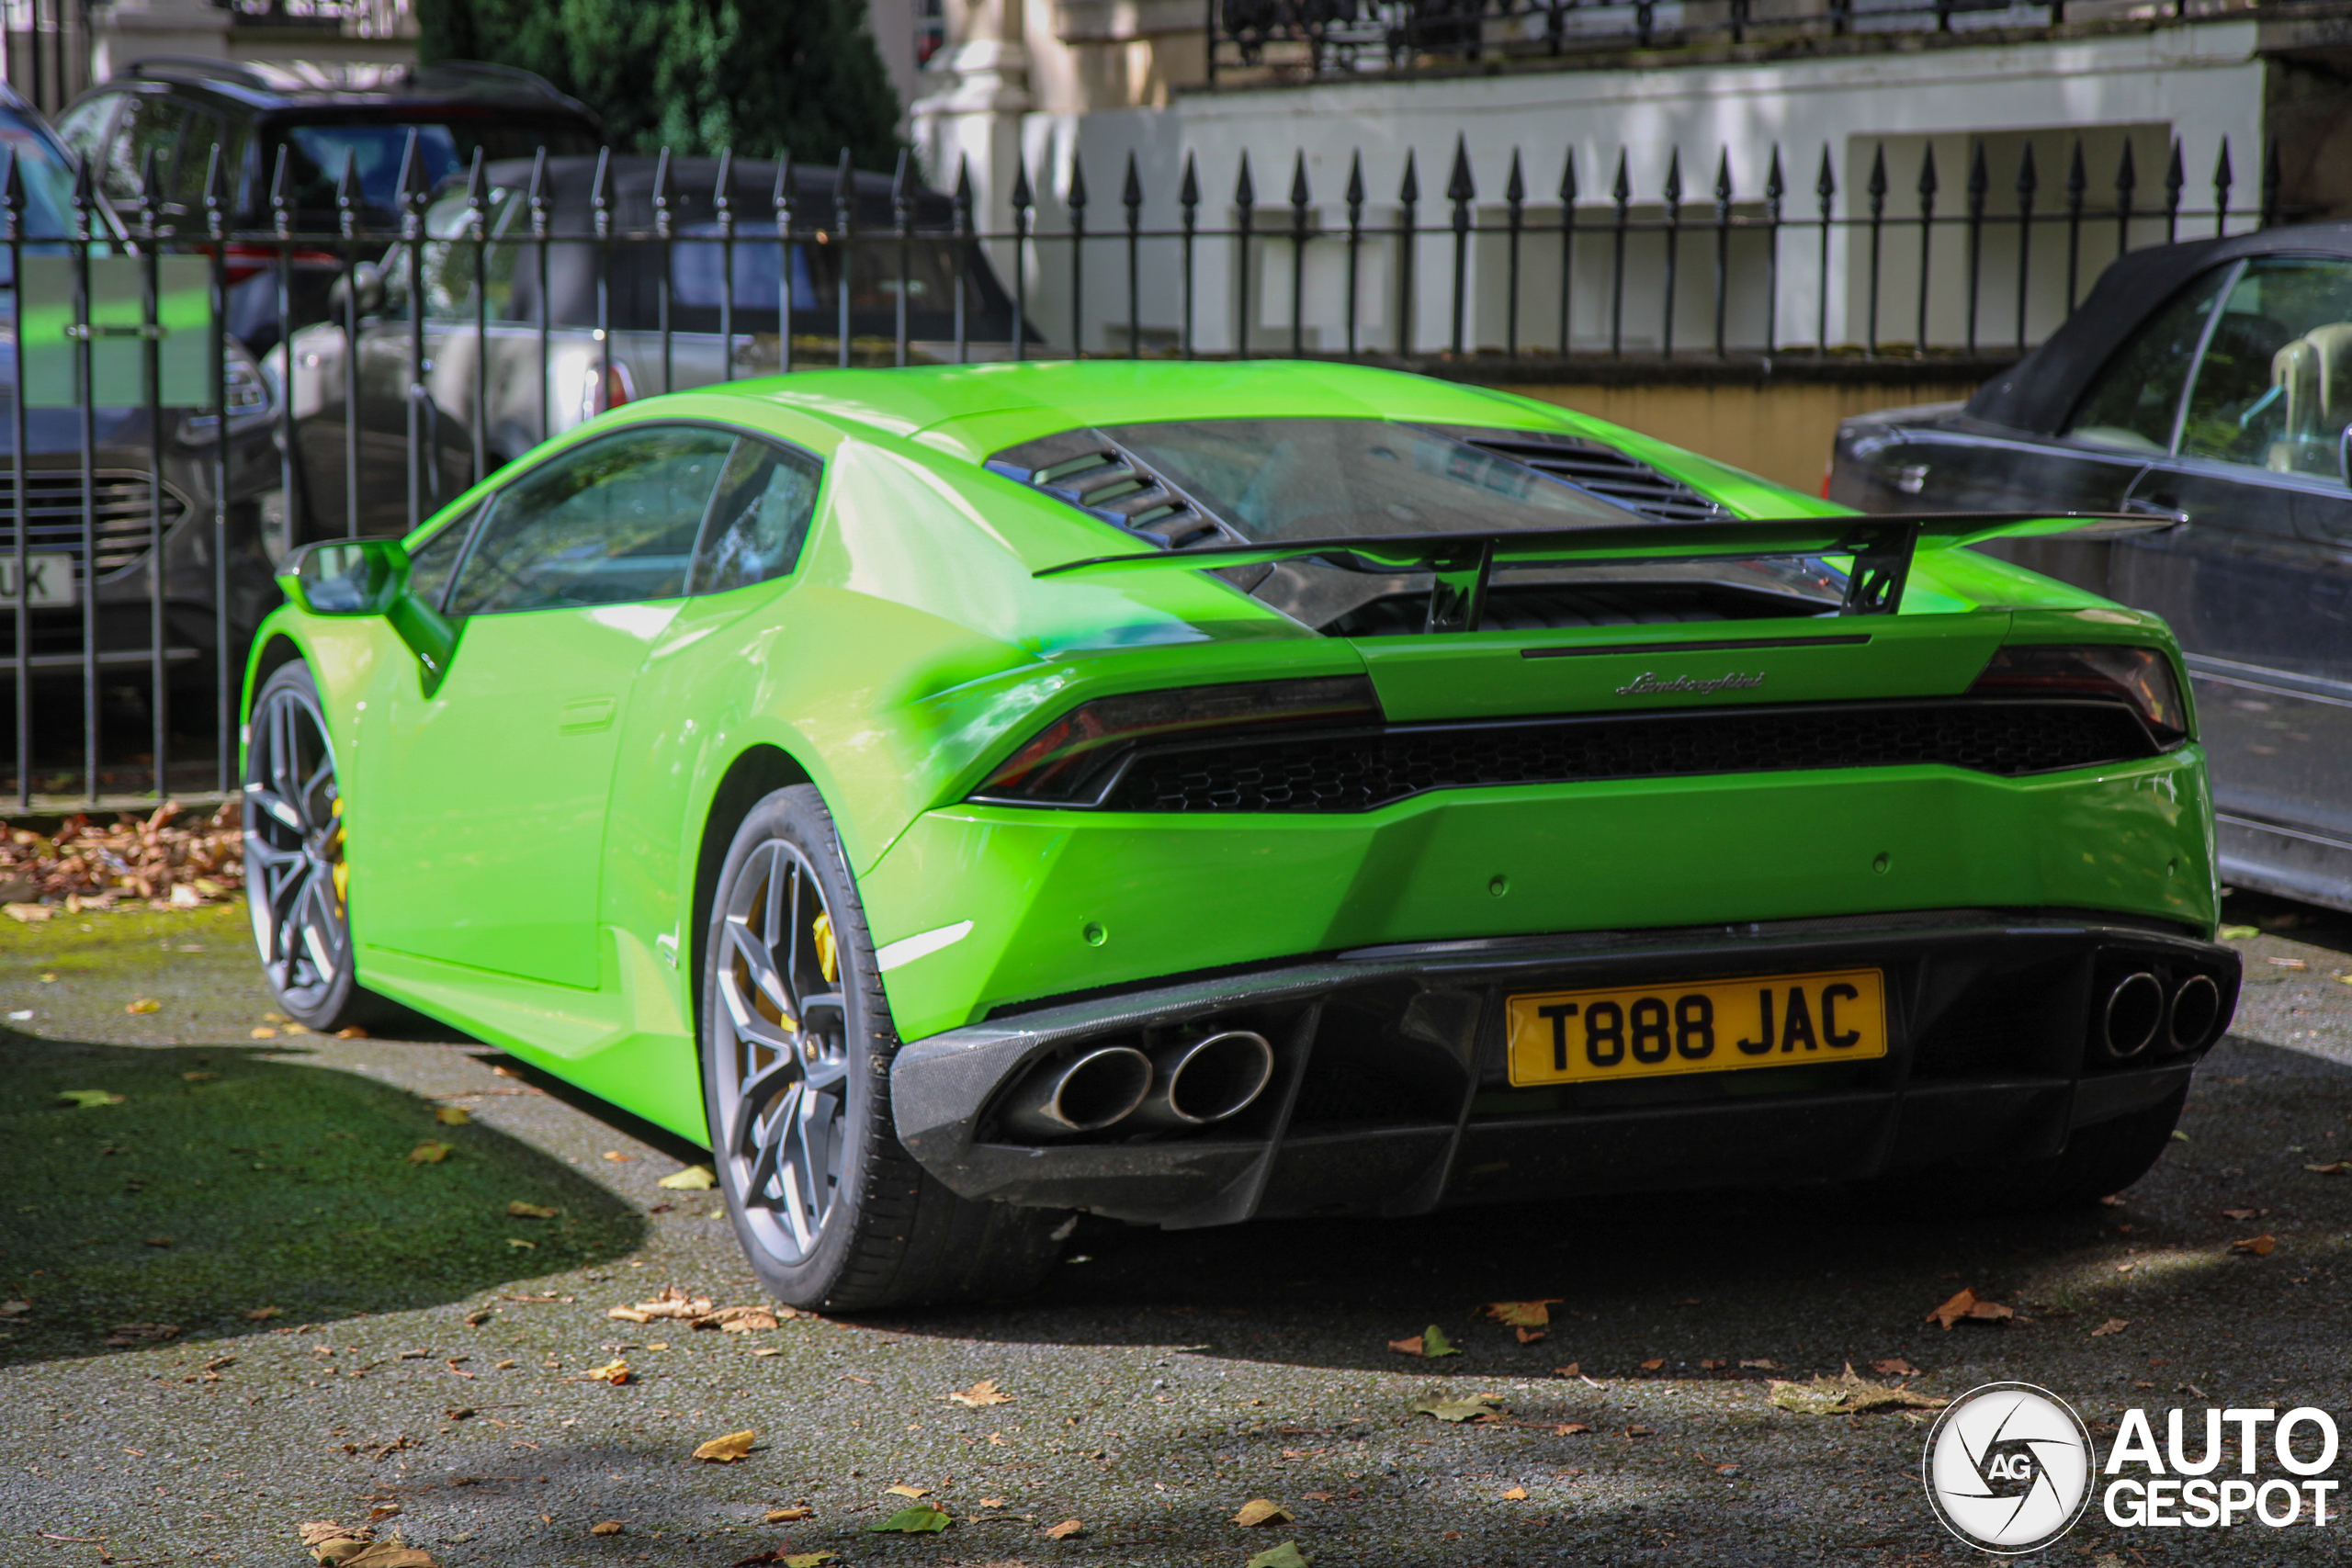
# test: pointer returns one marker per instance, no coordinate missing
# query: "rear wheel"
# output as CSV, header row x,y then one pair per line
x,y
297,884
796,1041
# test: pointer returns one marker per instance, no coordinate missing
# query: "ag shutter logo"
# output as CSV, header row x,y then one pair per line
x,y
2009,1467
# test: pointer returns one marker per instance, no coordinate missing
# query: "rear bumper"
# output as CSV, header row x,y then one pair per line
x,y
1389,1095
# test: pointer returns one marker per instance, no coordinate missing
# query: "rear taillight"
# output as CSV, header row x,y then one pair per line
x,y
1078,757
2117,671
241,262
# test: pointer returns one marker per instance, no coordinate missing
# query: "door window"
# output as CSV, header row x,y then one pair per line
x,y
2132,404
607,523
760,518
433,564
2274,389
152,123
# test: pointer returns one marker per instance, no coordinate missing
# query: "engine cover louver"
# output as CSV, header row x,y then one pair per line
x,y
1597,469
1092,474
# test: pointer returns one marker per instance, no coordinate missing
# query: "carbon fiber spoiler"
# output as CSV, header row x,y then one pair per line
x,y
1882,545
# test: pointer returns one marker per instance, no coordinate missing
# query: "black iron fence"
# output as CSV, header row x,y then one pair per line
x,y
373,366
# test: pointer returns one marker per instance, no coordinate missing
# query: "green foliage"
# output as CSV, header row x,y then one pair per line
x,y
761,76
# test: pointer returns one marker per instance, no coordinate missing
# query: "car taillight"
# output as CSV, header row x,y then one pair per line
x,y
1075,758
2141,676
241,262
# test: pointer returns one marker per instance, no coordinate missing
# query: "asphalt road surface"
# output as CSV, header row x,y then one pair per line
x,y
247,1307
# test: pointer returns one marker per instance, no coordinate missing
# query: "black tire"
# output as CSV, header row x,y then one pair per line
x,y
2099,1160
829,1206
296,887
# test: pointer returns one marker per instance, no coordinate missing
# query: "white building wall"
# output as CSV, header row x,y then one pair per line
x,y
2199,84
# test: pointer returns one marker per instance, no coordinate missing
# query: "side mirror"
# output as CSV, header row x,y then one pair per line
x,y
370,577
366,283
345,577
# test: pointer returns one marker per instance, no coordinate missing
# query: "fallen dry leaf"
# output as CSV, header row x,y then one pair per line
x,y
1968,1306
789,1516
804,1558
617,1157
1761,1364
727,1450
2261,1245
519,1210
141,1333
1522,1314
610,1527
30,914
1065,1530
1641,1432
14,1309
1516,1495
919,1519
1895,1367
144,1004
262,1031
1849,1394
984,1392
198,1076
2334,1167
903,1490
391,1554
518,1241
1260,1511
432,1151
453,1116
1573,1370
1569,1428
615,1371
1431,1342
1456,1410
1654,1363
1284,1556
90,1097
2112,1325
693,1179
739,1320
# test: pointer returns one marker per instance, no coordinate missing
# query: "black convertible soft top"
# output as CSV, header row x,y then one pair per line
x,y
2037,392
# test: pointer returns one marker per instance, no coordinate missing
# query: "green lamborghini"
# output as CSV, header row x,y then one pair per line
x,y
1187,793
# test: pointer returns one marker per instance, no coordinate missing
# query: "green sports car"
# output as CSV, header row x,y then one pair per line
x,y
1185,792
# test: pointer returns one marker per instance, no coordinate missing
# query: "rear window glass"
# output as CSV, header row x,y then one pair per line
x,y
1273,479
317,151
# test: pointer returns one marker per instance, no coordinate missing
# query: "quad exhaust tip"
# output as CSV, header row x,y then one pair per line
x,y
1184,1085
2135,1012
1086,1094
1198,1082
2195,1013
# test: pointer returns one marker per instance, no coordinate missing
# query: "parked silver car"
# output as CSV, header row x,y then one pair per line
x,y
583,272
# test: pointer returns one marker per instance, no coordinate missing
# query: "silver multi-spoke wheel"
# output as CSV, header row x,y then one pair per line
x,y
296,884
782,1042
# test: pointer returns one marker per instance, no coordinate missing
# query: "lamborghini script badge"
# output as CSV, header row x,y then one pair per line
x,y
1647,683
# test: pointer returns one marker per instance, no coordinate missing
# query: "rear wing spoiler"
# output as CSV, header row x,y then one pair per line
x,y
1882,546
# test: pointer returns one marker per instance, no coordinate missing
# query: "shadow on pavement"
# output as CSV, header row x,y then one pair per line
x,y
1691,1277
229,1180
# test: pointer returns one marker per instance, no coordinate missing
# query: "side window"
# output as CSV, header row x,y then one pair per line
x,y
2133,404
2274,389
204,130
84,127
433,562
760,518
605,523
151,121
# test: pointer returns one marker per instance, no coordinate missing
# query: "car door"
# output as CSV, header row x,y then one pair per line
x,y
498,778
2256,578
2124,422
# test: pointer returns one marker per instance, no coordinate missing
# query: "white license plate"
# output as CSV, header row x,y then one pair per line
x,y
50,578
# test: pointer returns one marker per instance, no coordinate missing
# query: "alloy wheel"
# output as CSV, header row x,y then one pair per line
x,y
296,880
783,1054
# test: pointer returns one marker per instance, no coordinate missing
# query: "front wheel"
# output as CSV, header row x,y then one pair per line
x,y
297,884
796,1041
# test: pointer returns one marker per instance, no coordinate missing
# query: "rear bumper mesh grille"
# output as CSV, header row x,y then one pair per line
x,y
1361,769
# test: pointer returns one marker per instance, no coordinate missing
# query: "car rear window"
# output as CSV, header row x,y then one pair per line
x,y
1271,479
317,150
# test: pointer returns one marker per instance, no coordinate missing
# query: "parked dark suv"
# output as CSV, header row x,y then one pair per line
x,y
178,109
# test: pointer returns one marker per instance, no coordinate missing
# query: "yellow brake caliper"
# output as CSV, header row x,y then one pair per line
x,y
341,871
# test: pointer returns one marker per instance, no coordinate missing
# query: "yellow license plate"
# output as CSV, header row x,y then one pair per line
x,y
1709,1026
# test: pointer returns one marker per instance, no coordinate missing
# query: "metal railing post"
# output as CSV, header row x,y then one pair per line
x,y
1461,190
1244,201
1298,200
12,206
1567,246
151,318
1076,203
1514,198
1131,199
